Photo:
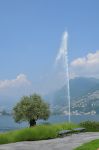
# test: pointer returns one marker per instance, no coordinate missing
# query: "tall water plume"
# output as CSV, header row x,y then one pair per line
x,y
63,57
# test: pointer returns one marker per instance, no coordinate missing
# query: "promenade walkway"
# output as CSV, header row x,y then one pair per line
x,y
66,143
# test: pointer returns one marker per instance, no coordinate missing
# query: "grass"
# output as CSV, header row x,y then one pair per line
x,y
40,132
93,145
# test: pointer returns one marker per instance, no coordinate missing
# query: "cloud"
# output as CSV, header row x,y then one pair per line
x,y
11,90
20,80
87,66
16,87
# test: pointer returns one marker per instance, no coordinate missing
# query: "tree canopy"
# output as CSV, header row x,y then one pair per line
x,y
31,108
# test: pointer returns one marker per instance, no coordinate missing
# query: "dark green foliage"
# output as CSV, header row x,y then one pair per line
x,y
90,126
31,108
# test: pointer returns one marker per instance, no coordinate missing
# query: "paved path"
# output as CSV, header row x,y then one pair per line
x,y
66,143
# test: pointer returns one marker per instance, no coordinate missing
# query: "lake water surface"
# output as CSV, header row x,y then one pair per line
x,y
7,123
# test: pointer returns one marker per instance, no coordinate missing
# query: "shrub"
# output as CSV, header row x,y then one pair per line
x,y
90,126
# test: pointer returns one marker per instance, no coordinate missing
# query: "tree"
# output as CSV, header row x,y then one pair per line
x,y
31,108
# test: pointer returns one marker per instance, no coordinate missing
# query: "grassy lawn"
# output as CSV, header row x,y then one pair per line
x,y
93,145
39,132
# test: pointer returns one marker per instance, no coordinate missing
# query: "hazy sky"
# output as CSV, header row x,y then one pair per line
x,y
30,37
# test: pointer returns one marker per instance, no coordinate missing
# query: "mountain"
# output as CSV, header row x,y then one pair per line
x,y
79,88
84,93
87,103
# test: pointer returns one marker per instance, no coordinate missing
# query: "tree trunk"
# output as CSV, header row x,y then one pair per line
x,y
32,122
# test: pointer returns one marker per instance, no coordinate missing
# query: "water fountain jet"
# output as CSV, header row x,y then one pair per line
x,y
63,56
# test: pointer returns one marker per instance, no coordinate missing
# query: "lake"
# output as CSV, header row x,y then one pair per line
x,y
7,123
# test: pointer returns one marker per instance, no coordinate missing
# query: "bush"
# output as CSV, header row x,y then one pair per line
x,y
90,126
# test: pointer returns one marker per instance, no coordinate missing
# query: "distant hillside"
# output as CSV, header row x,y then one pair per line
x,y
79,87
87,103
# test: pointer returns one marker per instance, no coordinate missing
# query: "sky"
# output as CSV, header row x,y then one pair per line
x,y
30,38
